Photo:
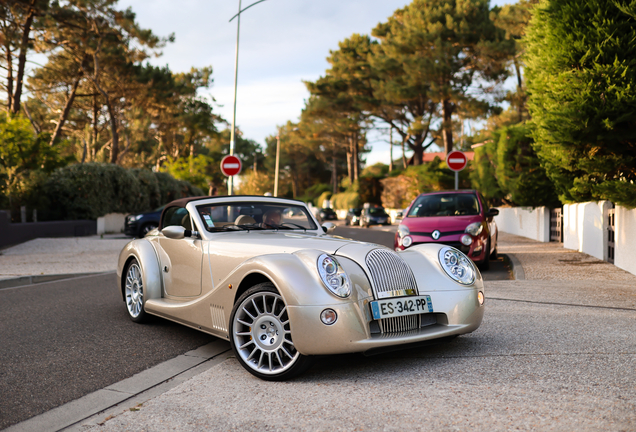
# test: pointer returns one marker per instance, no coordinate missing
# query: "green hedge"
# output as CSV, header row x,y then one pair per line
x,y
91,190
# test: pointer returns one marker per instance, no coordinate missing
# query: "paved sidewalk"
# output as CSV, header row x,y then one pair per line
x,y
58,256
556,351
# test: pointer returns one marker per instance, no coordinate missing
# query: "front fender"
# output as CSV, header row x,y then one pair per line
x,y
144,252
297,280
429,274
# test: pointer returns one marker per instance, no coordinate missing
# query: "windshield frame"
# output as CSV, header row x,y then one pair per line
x,y
261,209
412,211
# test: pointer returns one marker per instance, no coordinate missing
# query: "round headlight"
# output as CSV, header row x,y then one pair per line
x,y
457,265
333,276
474,229
466,240
407,241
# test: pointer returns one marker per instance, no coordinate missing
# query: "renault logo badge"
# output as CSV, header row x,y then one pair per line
x,y
436,234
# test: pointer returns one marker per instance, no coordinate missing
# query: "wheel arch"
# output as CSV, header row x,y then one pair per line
x,y
145,254
249,281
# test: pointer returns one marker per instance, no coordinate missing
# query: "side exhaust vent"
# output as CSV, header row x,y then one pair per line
x,y
218,317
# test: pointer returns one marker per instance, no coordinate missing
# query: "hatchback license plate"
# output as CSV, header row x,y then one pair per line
x,y
395,307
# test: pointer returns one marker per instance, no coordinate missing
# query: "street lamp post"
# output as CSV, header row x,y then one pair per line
x,y
276,171
230,180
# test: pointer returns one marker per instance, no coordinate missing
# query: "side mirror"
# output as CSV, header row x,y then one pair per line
x,y
492,212
178,232
328,227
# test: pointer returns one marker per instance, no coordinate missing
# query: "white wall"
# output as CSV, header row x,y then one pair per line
x,y
625,246
585,227
111,223
533,223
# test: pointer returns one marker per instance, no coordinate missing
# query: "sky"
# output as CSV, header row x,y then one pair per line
x,y
282,43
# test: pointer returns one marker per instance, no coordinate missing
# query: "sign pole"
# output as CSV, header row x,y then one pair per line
x,y
456,161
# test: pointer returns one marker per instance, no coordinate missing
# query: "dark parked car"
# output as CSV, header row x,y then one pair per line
x,y
455,218
328,214
141,224
353,216
374,216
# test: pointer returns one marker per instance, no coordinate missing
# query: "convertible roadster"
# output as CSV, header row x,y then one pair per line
x,y
262,273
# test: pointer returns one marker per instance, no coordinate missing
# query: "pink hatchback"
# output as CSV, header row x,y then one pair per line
x,y
455,218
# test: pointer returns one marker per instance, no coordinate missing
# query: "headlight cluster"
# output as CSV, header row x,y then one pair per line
x,y
405,236
333,276
137,217
457,265
474,229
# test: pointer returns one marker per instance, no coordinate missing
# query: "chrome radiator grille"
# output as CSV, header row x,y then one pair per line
x,y
390,275
399,324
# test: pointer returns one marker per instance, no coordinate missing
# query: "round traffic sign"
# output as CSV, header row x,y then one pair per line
x,y
231,165
456,160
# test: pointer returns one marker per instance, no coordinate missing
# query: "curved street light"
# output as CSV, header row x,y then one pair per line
x,y
230,189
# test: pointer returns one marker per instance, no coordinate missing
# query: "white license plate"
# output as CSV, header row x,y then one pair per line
x,y
395,307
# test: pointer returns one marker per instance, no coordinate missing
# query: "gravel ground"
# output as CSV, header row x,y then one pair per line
x,y
514,373
50,256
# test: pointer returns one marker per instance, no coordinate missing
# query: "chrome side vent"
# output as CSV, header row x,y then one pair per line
x,y
390,275
218,317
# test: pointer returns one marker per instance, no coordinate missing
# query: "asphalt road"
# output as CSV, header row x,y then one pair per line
x,y
65,339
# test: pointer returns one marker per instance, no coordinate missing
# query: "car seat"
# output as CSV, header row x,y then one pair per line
x,y
244,220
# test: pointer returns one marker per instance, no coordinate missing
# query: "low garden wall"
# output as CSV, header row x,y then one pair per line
x,y
533,223
16,233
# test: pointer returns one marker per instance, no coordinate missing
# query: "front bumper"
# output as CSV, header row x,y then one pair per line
x,y
475,251
457,312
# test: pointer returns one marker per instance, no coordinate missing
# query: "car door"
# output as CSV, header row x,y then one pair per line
x,y
181,259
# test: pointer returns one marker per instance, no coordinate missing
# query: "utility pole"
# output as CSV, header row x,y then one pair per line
x,y
230,180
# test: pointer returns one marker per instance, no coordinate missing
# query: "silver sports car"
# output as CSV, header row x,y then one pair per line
x,y
262,273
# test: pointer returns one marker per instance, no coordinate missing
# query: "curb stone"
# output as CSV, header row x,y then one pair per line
x,y
515,266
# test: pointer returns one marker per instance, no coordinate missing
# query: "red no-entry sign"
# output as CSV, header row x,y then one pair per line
x,y
231,165
456,160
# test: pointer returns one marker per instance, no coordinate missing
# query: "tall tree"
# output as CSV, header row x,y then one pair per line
x,y
448,45
581,74
17,22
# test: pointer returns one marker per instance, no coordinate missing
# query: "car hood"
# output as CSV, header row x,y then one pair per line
x,y
269,242
442,223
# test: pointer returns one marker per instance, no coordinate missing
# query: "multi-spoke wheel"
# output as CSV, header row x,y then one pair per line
x,y
261,335
134,292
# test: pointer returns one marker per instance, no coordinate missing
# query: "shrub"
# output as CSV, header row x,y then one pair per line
x,y
91,190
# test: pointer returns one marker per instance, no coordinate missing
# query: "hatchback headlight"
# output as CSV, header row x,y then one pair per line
x,y
474,229
403,231
457,265
333,276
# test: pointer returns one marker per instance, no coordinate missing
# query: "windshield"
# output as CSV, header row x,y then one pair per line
x,y
445,205
377,211
255,216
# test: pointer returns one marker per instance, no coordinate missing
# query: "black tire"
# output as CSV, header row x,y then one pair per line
x,y
485,264
133,290
266,335
494,255
146,228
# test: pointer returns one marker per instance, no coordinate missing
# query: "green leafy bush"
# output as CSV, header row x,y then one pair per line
x,y
91,190
581,75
